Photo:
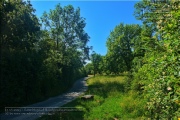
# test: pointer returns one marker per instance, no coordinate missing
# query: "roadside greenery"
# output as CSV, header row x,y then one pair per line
x,y
39,58
110,102
150,53
159,75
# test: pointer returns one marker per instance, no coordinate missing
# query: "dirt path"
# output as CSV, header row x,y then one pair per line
x,y
78,88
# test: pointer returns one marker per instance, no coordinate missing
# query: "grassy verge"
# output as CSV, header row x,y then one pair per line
x,y
110,102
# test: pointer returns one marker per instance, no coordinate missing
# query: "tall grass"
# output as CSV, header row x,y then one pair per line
x,y
110,102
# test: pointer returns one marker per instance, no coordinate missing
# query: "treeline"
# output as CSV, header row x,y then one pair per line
x,y
42,57
122,45
151,54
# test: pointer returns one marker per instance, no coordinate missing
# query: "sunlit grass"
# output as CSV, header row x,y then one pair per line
x,y
110,102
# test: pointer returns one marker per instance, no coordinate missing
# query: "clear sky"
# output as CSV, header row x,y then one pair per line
x,y
101,17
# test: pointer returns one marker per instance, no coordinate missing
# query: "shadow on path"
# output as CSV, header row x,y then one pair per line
x,y
78,88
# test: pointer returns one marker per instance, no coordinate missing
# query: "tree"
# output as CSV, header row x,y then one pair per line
x,y
18,25
120,46
140,47
96,59
89,68
19,29
66,27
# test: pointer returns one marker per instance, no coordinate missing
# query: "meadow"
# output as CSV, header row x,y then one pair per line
x,y
111,102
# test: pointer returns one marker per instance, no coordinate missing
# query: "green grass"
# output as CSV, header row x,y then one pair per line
x,y
110,102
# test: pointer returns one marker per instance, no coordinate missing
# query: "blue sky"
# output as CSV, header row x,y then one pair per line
x,y
101,17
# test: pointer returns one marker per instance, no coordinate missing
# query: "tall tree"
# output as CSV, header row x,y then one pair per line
x,y
120,44
66,27
19,27
96,60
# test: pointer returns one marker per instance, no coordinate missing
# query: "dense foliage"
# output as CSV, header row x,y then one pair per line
x,y
38,63
120,46
96,61
159,75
